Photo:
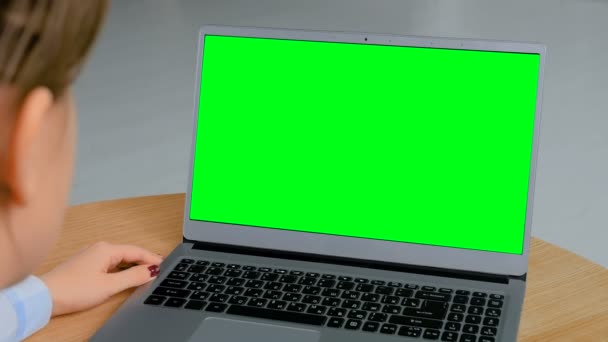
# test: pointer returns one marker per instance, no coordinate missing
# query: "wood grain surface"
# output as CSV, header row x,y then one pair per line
x,y
566,299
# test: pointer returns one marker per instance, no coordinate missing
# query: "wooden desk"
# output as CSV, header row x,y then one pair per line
x,y
567,298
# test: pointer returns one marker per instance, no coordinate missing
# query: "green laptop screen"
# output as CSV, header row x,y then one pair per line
x,y
418,145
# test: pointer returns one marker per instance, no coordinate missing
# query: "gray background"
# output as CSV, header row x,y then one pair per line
x,y
136,94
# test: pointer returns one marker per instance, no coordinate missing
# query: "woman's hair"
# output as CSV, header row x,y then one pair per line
x,y
44,42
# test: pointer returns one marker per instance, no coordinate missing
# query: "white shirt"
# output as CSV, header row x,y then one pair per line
x,y
25,308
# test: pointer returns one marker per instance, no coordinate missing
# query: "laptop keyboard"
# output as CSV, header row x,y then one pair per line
x,y
334,301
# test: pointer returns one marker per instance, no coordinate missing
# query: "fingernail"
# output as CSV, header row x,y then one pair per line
x,y
154,271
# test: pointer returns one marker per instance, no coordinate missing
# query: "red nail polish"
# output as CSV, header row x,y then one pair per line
x,y
154,271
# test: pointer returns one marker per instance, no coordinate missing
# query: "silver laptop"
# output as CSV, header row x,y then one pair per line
x,y
350,187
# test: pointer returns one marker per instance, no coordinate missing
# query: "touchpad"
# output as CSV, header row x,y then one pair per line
x,y
232,330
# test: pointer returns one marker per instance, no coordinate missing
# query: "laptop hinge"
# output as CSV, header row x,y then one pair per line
x,y
271,253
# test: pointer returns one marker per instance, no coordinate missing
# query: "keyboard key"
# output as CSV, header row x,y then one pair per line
x,y
233,266
217,280
455,317
258,302
463,292
367,306
361,280
494,303
293,297
459,308
195,305
181,267
269,277
235,282
410,331
378,282
174,283
218,298
233,273
431,334
480,294
218,264
296,273
310,299
472,319
316,309
187,261
475,310
216,307
461,299
411,302
292,288
392,309
328,276
430,309
394,284
486,339
199,295
261,269
384,290
273,286
285,316
370,297
175,302
449,336
178,275
335,322
388,329
195,286
251,275
392,300
311,290
331,301
289,279
345,278
345,285
330,293
338,312
470,329
234,290
429,288
281,271
452,326
270,294
488,331
497,296
468,338
253,292
353,324
165,291
312,274
411,286
378,317
478,301
307,281
254,284
326,283
490,321
371,326
357,314
351,304
444,290
493,312
238,300
277,304
350,295
364,288
415,322
297,307
155,300
202,263
215,288
214,271
404,293
199,277
196,269
433,296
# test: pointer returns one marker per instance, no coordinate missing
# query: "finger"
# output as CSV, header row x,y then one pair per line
x,y
134,276
132,254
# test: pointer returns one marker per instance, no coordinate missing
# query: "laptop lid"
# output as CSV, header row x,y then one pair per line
x,y
408,150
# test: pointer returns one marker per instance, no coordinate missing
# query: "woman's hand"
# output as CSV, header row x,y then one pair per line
x,y
92,276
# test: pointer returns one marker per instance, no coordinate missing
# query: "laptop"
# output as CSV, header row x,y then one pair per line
x,y
350,187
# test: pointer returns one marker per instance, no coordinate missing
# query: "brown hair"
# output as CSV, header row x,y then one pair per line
x,y
44,42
